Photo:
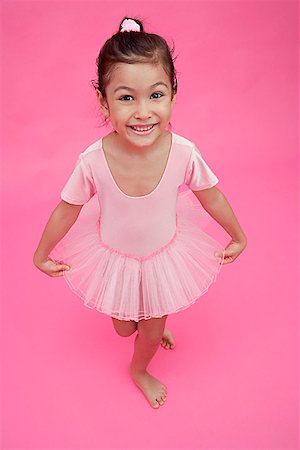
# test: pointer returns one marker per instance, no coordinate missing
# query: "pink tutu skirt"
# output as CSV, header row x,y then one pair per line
x,y
129,287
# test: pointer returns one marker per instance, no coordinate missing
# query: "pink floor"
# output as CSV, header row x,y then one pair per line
x,y
233,377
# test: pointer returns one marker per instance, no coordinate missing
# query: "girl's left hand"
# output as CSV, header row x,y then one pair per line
x,y
233,250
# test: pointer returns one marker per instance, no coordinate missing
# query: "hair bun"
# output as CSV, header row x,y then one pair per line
x,y
129,24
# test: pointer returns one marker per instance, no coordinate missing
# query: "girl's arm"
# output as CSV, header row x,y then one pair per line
x,y
60,221
216,204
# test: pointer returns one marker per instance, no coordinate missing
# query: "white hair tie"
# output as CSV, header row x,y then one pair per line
x,y
130,25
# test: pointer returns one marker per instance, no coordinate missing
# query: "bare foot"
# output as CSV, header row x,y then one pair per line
x,y
167,340
154,390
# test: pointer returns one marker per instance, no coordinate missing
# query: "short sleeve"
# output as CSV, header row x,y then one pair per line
x,y
80,187
198,175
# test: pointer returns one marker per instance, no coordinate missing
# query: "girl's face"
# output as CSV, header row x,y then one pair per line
x,y
138,95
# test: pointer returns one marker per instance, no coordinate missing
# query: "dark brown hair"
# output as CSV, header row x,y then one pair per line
x,y
134,47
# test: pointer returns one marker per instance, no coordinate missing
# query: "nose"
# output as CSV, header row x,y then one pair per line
x,y
142,111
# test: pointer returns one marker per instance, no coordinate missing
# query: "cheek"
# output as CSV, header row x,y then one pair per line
x,y
120,116
121,112
167,109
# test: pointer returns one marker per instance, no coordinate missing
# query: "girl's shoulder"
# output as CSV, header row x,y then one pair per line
x,y
91,154
184,145
92,151
92,148
182,140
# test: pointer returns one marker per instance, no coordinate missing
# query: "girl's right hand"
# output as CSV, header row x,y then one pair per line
x,y
51,268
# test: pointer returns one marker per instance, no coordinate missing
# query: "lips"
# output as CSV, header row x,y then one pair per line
x,y
142,128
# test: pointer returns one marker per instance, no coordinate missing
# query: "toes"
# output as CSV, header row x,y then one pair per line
x,y
172,343
168,342
155,404
165,344
162,399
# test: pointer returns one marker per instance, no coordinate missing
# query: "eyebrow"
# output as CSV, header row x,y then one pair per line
x,y
151,87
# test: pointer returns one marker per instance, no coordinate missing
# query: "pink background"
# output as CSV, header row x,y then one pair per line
x,y
232,380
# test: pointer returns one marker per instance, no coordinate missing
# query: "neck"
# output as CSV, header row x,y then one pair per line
x,y
132,150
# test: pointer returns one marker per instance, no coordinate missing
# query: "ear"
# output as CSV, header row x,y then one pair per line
x,y
173,101
102,103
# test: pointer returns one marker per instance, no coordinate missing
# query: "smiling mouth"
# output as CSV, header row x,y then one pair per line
x,y
142,128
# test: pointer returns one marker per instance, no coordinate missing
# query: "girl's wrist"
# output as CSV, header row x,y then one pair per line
x,y
39,258
240,239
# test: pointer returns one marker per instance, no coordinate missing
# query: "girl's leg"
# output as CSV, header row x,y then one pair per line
x,y
128,327
146,344
124,327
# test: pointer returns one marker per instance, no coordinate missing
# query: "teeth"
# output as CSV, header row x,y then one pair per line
x,y
142,129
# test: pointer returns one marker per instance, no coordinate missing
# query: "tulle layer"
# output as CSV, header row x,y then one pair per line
x,y
134,288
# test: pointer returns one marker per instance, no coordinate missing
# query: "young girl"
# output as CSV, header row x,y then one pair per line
x,y
146,255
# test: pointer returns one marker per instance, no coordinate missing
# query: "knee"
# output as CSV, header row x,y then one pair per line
x,y
124,328
125,333
152,339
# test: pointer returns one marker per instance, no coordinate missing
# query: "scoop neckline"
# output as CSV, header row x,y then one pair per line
x,y
160,181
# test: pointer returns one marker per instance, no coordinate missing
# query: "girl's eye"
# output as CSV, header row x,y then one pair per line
x,y
159,93
125,96
155,93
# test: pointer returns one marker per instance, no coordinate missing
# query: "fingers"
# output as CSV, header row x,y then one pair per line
x,y
62,267
229,256
59,270
231,252
52,268
228,260
57,274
